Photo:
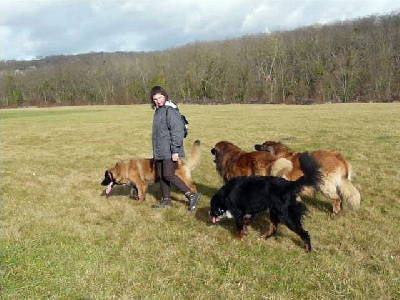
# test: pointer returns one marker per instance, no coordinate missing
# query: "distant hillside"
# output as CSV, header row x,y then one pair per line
x,y
348,61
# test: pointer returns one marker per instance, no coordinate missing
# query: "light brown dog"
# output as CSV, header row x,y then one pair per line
x,y
231,161
138,174
336,182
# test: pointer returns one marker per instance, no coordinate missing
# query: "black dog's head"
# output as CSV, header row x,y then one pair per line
x,y
218,209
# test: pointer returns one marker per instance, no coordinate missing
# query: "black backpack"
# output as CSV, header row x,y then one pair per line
x,y
185,122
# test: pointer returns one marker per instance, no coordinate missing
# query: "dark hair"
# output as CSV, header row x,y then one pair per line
x,y
157,90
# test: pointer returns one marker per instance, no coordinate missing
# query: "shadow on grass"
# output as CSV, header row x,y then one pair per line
x,y
206,190
320,204
258,227
118,190
154,190
202,214
260,222
124,191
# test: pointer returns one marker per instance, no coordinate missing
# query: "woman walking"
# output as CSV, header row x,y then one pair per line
x,y
167,138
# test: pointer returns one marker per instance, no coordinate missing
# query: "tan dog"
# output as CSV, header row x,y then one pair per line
x,y
140,173
336,182
231,161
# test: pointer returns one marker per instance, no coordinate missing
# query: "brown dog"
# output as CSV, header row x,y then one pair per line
x,y
231,161
140,173
336,174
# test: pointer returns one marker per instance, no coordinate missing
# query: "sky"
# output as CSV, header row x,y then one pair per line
x,y
38,28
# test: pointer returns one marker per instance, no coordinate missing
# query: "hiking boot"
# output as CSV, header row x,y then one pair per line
x,y
165,202
194,199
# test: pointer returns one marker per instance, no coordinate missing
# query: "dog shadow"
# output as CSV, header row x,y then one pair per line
x,y
124,191
260,223
323,204
203,215
118,190
259,226
155,191
206,190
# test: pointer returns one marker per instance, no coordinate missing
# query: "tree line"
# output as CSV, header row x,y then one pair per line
x,y
357,60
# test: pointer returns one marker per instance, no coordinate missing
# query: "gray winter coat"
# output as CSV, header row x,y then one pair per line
x,y
168,133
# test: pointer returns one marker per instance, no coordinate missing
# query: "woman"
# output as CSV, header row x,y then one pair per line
x,y
167,137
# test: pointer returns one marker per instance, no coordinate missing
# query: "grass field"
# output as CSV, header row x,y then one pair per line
x,y
62,239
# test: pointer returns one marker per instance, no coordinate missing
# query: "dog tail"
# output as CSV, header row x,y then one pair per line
x,y
195,156
312,174
347,191
350,194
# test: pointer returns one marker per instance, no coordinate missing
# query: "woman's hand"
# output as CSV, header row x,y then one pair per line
x,y
175,157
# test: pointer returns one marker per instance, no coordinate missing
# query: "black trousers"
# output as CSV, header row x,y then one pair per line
x,y
166,171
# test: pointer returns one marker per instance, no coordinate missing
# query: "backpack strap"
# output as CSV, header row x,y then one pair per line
x,y
166,116
183,119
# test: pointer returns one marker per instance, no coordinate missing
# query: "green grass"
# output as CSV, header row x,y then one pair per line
x,y
62,239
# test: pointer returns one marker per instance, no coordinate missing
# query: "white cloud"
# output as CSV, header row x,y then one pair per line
x,y
33,28
256,16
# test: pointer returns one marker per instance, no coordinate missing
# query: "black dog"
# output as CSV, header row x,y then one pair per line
x,y
244,197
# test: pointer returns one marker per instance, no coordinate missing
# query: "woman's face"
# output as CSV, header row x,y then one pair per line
x,y
159,99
